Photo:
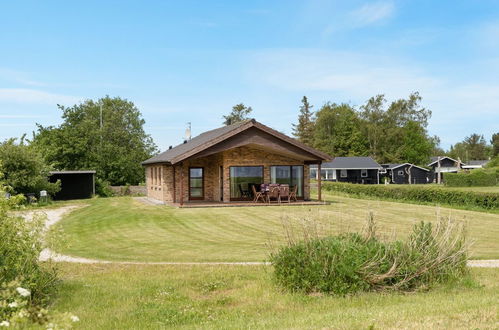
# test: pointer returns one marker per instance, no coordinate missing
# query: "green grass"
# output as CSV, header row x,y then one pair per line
x,y
125,230
234,297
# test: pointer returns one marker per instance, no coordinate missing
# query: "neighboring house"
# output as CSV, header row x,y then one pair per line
x,y
398,173
444,164
225,163
349,169
474,164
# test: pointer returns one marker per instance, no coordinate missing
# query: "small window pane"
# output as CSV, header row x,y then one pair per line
x,y
196,172
196,192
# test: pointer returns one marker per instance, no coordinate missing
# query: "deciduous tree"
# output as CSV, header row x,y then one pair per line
x,y
106,135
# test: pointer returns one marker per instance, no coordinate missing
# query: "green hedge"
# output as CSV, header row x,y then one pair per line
x,y
475,178
434,195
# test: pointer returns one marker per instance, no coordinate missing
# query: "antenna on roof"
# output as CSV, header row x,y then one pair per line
x,y
188,132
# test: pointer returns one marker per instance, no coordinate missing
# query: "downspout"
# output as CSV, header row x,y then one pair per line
x,y
319,186
181,184
174,185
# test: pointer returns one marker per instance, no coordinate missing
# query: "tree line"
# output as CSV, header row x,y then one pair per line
x,y
389,132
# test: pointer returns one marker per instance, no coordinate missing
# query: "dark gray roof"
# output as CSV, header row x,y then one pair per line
x,y
435,159
209,138
389,166
71,172
350,163
168,155
394,166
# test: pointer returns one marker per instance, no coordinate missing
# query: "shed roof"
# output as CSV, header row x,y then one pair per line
x,y
434,159
213,137
72,172
351,163
394,166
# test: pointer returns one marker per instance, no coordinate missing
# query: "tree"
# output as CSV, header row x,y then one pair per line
x,y
239,113
416,146
374,124
385,129
473,147
495,144
24,169
338,131
304,130
106,135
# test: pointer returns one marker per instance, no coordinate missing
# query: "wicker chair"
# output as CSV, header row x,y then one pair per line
x,y
257,195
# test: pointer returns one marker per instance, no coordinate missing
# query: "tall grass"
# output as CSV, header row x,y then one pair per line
x,y
314,260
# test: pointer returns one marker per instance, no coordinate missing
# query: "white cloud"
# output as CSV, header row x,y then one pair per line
x,y
460,107
371,13
33,96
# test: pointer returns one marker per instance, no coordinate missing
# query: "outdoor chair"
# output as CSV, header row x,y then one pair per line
x,y
284,193
257,195
273,193
293,193
244,193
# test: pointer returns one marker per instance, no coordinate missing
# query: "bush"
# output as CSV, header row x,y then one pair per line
x,y
352,263
103,188
475,178
434,195
26,285
20,247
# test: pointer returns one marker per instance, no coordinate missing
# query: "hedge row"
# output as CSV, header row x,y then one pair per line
x,y
475,178
436,195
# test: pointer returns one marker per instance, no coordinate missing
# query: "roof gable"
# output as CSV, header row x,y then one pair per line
x,y
212,138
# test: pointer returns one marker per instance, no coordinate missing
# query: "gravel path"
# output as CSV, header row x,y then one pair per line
x,y
55,215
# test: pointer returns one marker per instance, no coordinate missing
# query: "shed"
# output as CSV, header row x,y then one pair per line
x,y
74,184
398,173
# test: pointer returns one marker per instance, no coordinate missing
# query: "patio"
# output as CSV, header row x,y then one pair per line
x,y
201,204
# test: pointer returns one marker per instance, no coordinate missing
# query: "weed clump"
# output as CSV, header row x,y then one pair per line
x,y
355,262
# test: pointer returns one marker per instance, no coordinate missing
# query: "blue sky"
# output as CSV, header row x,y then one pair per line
x,y
191,61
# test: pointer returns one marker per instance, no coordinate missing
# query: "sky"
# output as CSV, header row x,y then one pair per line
x,y
191,61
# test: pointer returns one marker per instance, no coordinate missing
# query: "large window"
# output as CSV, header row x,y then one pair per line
x,y
292,175
196,189
242,178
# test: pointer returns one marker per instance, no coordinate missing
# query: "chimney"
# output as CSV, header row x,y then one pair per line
x,y
187,136
185,141
169,147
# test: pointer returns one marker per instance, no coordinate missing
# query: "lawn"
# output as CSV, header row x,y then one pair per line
x,y
123,229
229,297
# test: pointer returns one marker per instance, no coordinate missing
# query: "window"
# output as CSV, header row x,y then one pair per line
x,y
363,173
292,175
400,173
343,173
242,178
196,184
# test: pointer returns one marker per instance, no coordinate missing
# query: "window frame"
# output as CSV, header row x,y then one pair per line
x,y
302,193
230,184
193,198
345,172
364,174
400,173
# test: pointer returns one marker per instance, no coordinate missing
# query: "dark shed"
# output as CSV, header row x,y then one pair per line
x,y
398,173
74,184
